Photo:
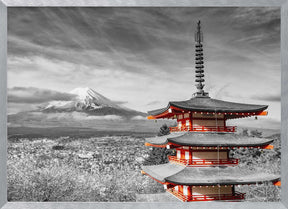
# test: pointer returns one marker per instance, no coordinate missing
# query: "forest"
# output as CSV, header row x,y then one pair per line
x,y
108,168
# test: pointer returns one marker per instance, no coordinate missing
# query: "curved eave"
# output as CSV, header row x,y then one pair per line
x,y
167,112
177,174
271,178
207,140
160,172
258,108
162,140
220,144
210,106
221,176
158,111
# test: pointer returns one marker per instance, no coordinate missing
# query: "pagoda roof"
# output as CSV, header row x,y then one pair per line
x,y
206,104
209,139
179,174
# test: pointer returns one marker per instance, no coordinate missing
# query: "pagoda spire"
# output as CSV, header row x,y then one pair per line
x,y
199,62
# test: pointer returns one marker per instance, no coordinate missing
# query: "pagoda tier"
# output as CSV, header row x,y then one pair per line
x,y
206,149
203,114
211,107
208,140
171,173
205,184
200,168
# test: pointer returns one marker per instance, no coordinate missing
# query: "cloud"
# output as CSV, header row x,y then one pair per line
x,y
120,102
269,97
76,116
127,38
153,103
261,123
104,117
141,55
139,117
32,95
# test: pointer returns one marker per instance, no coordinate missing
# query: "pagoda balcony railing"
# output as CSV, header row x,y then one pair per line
x,y
208,197
203,162
204,128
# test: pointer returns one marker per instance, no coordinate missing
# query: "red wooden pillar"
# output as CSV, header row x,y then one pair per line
x,y
180,191
189,193
191,120
190,156
183,154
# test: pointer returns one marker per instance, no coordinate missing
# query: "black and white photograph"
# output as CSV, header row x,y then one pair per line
x,y
143,104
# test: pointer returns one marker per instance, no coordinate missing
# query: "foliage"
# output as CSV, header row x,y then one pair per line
x,y
159,155
245,132
259,160
164,130
39,172
256,133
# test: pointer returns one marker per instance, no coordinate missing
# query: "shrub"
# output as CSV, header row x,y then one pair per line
x,y
256,133
164,130
58,147
245,132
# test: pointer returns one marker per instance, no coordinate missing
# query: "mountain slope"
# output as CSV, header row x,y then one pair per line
x,y
89,101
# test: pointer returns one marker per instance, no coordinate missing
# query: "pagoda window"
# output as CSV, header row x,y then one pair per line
x,y
208,115
210,155
187,155
210,190
179,124
185,190
180,117
178,154
209,123
176,188
186,115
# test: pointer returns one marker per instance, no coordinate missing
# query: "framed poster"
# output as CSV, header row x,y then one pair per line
x,y
78,80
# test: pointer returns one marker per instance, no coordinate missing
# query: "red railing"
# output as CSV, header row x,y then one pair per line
x,y
204,128
203,162
210,197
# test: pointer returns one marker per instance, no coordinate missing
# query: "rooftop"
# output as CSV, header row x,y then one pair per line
x,y
207,104
209,139
179,174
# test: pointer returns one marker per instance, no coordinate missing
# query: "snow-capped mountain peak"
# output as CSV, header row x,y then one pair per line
x,y
91,102
90,97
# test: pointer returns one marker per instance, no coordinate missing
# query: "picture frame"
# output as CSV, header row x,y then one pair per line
x,y
4,6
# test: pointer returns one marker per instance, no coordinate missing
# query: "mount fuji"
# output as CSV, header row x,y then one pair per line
x,y
89,101
83,111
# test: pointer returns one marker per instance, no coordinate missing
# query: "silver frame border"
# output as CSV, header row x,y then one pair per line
x,y
5,4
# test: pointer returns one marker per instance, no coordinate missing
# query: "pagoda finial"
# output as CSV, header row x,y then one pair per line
x,y
199,62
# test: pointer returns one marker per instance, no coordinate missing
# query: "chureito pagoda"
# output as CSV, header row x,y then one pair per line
x,y
202,170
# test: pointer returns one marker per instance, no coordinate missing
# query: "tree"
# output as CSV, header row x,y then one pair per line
x,y
245,132
164,130
159,155
256,133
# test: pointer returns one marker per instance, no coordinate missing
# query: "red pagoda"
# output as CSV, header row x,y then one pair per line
x,y
202,170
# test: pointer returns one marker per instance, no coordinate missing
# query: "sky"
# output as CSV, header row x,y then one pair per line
x,y
144,57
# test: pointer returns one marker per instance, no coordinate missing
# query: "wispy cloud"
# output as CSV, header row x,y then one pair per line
x,y
269,97
142,55
32,95
76,116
